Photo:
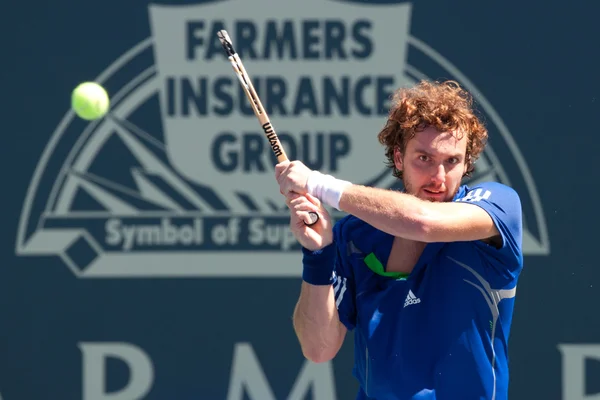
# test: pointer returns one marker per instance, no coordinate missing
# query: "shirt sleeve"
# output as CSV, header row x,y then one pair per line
x,y
503,205
344,287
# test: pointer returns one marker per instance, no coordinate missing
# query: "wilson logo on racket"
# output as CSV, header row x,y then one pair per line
x,y
272,137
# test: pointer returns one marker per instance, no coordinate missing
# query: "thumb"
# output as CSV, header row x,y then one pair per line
x,y
280,167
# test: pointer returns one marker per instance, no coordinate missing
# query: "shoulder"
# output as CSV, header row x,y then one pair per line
x,y
351,228
489,191
345,226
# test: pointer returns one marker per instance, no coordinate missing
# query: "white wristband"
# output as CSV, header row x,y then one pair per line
x,y
326,188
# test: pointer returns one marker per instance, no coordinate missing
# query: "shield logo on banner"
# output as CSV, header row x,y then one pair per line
x,y
311,73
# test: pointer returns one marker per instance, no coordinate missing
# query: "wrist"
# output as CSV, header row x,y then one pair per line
x,y
318,265
326,188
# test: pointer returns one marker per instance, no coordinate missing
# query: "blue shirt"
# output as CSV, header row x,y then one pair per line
x,y
442,331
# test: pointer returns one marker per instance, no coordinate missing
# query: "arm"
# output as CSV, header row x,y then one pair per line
x,y
393,212
326,285
407,216
317,324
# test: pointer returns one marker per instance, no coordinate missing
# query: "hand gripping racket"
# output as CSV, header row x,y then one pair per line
x,y
257,106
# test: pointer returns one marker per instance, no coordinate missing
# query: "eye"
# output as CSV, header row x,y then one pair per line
x,y
453,160
423,158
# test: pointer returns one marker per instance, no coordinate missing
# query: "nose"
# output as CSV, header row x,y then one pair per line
x,y
439,175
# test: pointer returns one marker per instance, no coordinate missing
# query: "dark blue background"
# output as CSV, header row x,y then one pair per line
x,y
536,61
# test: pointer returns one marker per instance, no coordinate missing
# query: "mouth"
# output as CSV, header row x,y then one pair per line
x,y
437,194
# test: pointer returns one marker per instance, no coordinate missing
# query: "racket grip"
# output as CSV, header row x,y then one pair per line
x,y
313,218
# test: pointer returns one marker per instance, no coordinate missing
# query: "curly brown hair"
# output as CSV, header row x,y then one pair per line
x,y
444,105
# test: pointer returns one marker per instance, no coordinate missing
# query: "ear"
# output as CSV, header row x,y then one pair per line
x,y
398,159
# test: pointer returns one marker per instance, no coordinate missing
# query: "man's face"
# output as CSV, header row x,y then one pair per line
x,y
433,164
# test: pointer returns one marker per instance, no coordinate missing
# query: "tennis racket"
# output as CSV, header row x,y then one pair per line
x,y
257,106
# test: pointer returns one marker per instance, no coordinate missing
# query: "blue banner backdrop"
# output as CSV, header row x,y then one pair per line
x,y
147,256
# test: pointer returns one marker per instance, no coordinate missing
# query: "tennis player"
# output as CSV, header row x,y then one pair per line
x,y
426,278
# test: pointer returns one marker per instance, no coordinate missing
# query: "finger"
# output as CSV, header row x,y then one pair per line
x,y
283,178
280,169
302,204
303,211
313,199
292,198
284,188
297,198
281,166
278,172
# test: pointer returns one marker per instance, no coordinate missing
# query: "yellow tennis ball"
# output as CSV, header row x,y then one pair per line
x,y
90,101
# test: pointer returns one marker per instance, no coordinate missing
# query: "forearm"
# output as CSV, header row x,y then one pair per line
x,y
317,324
393,212
396,213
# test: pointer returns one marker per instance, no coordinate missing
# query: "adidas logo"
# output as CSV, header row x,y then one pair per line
x,y
411,299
